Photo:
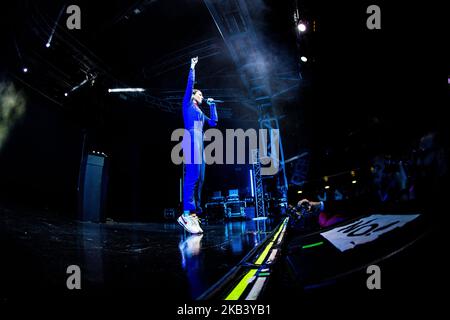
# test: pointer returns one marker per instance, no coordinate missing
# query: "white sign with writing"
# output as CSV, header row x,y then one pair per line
x,y
365,230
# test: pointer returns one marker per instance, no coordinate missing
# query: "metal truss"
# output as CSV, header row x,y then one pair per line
x,y
258,184
234,20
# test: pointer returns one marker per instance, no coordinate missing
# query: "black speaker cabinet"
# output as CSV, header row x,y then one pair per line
x,y
93,188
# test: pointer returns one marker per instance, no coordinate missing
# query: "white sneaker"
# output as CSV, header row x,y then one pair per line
x,y
189,224
197,222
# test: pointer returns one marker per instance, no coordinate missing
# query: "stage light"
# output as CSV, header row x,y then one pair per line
x,y
251,183
49,41
306,246
126,90
299,191
25,69
303,58
301,27
354,181
327,187
66,94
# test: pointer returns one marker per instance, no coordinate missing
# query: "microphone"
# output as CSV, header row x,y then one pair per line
x,y
213,100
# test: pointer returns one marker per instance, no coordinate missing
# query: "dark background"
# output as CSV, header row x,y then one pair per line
x,y
363,92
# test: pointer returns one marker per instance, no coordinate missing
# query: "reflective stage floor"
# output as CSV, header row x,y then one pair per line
x,y
158,265
157,260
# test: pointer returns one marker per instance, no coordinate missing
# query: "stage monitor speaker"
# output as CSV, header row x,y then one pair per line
x,y
93,188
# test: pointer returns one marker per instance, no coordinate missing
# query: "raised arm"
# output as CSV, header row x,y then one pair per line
x,y
190,83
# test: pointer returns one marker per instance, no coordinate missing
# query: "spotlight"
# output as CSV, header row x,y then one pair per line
x,y
66,94
354,181
25,69
47,45
327,187
301,27
126,90
303,58
299,191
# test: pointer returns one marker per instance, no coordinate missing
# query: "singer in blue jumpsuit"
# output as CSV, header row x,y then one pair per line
x,y
193,147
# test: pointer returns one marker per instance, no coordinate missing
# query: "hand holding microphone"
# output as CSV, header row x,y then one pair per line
x,y
211,100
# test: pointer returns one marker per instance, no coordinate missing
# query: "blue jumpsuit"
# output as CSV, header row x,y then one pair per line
x,y
193,147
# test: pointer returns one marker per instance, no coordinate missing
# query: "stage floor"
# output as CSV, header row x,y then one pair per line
x,y
157,260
